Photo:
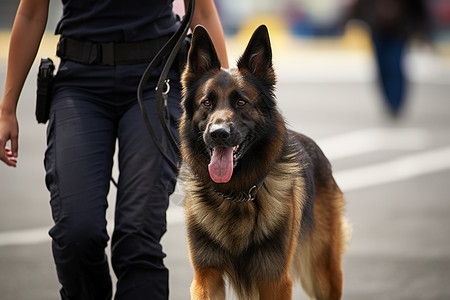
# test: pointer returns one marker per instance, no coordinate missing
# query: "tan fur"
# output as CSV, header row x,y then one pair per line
x,y
208,284
280,186
276,202
317,260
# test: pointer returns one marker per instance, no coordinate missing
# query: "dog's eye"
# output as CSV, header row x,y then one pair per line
x,y
241,103
207,103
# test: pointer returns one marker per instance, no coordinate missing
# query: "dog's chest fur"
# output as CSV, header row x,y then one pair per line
x,y
219,224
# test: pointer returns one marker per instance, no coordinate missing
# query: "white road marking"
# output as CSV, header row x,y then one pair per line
x,y
400,169
24,237
369,140
338,147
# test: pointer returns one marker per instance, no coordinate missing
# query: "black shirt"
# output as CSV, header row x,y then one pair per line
x,y
117,20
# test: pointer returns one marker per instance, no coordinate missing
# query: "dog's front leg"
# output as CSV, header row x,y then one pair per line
x,y
208,284
280,289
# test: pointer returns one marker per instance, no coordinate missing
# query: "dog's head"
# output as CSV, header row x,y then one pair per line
x,y
230,117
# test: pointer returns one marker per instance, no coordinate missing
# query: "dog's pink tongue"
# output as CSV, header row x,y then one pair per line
x,y
221,166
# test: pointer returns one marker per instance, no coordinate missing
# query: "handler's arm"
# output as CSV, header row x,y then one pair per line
x,y
205,14
26,35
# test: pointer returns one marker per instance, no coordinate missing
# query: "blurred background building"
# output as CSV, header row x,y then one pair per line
x,y
311,39
303,18
313,18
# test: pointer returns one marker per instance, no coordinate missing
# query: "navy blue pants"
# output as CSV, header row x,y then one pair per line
x,y
92,107
389,52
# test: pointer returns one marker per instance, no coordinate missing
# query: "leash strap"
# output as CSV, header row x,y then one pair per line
x,y
172,46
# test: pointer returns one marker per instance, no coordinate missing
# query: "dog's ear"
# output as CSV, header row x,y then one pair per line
x,y
202,55
257,57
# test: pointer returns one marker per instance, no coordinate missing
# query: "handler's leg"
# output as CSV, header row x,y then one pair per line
x,y
145,183
78,162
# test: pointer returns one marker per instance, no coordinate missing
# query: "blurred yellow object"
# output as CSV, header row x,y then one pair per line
x,y
278,29
356,37
4,43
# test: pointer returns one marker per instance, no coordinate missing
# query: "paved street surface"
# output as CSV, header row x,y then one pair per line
x,y
395,176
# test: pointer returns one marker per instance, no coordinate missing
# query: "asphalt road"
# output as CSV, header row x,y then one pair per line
x,y
395,176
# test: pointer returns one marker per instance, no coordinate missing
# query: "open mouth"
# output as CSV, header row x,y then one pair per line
x,y
223,161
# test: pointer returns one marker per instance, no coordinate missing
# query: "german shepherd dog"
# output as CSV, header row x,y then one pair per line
x,y
261,203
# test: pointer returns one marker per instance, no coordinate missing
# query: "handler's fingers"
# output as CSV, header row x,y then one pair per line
x,y
8,157
12,158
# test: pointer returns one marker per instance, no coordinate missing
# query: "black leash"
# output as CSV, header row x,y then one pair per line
x,y
162,88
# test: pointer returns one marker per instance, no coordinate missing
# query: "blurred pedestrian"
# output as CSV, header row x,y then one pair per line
x,y
105,47
393,23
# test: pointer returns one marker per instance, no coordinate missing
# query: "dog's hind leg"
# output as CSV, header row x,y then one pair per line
x,y
318,258
208,284
319,270
322,279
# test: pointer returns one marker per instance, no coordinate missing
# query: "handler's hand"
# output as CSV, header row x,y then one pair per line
x,y
9,131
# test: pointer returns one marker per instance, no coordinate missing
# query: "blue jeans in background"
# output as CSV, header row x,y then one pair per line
x,y
389,52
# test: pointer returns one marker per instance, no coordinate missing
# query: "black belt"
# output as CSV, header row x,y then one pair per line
x,y
109,54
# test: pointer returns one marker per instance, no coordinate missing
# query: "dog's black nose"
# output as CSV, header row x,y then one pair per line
x,y
219,132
